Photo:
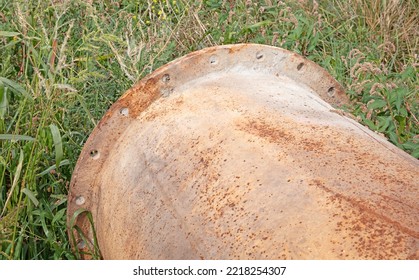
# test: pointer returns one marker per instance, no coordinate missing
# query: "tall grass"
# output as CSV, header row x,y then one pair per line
x,y
63,63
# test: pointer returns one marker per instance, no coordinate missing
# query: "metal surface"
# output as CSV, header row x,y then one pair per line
x,y
235,152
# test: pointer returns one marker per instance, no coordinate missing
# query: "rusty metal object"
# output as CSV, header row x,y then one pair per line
x,y
235,152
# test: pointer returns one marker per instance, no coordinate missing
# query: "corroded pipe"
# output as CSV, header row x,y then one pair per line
x,y
239,152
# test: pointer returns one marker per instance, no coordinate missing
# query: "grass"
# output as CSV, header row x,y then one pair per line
x,y
63,63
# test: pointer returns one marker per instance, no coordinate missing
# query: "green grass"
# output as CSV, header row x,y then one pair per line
x,y
63,63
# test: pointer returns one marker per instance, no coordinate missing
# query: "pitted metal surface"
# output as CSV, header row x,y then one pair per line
x,y
237,152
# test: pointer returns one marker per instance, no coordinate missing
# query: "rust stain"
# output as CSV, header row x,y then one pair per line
x,y
140,98
369,227
282,134
261,128
323,141
235,49
136,99
172,106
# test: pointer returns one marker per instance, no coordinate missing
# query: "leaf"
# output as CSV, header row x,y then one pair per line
x,y
3,100
16,137
413,146
11,44
15,87
8,33
313,42
409,72
44,225
2,161
58,216
258,24
53,167
84,105
402,123
400,96
58,144
369,123
19,244
403,112
394,139
95,250
31,196
377,104
383,123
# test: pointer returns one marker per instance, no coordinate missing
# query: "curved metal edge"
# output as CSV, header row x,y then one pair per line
x,y
84,190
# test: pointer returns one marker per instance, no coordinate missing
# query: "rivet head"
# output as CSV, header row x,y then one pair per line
x,y
80,200
124,111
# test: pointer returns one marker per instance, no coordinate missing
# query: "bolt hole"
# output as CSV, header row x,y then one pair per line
x,y
213,60
80,200
166,78
299,66
124,112
259,55
94,154
331,91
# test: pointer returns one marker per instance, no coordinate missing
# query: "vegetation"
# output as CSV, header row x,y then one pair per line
x,y
64,62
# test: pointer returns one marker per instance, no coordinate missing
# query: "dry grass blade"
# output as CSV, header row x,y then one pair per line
x,y
15,181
